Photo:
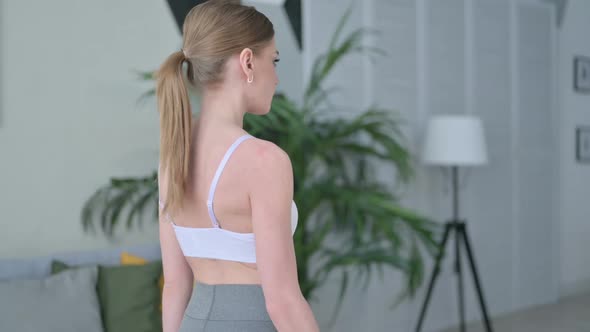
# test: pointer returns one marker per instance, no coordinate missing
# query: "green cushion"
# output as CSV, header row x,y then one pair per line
x,y
129,296
66,302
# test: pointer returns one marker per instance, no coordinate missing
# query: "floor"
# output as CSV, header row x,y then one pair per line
x,y
568,315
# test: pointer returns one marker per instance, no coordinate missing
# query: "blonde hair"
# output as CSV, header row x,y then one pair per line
x,y
212,32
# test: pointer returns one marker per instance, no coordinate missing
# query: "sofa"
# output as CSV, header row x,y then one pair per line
x,y
108,290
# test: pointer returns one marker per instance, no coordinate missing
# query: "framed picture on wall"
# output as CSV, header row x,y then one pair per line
x,y
582,74
583,144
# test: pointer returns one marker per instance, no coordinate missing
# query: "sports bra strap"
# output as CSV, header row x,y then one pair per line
x,y
224,161
166,215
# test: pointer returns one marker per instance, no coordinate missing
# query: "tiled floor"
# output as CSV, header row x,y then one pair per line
x,y
568,315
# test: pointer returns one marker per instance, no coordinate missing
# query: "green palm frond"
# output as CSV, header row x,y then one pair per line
x,y
107,204
337,50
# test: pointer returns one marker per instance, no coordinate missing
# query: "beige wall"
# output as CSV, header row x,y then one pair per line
x,y
69,114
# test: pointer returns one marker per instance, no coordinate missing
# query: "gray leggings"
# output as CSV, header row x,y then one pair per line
x,y
226,308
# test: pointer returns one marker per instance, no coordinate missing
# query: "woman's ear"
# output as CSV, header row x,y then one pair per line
x,y
247,62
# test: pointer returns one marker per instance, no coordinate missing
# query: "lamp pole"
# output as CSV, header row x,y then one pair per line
x,y
458,227
458,224
455,186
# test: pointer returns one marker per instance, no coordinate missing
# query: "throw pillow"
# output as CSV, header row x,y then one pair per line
x,y
66,302
130,259
128,296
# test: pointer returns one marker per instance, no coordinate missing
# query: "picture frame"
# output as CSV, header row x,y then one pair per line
x,y
582,74
583,144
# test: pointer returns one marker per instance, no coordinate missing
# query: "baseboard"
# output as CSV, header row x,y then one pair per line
x,y
574,288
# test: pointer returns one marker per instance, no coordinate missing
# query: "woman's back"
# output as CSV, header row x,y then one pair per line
x,y
231,201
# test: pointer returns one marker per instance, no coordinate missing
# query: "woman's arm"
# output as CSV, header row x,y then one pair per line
x,y
271,194
178,276
178,279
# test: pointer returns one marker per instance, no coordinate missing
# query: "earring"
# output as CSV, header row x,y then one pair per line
x,y
250,80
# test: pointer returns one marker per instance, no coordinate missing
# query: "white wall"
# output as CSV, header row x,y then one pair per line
x,y
575,177
70,118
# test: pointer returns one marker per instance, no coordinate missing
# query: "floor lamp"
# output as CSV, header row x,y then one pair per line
x,y
453,142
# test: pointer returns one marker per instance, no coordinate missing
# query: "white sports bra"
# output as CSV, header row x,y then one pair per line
x,y
216,242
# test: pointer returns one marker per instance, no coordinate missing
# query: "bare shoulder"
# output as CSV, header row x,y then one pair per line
x,y
266,157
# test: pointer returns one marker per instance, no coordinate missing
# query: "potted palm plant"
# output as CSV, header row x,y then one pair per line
x,y
349,222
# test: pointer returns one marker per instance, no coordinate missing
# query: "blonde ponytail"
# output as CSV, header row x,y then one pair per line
x,y
212,32
175,127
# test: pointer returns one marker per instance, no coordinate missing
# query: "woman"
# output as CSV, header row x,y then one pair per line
x,y
220,188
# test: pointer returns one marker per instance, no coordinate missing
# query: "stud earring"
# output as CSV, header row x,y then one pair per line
x,y
250,79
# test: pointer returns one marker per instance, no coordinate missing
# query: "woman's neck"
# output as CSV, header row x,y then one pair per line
x,y
225,108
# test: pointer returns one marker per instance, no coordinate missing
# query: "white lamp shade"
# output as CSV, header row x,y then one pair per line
x,y
455,140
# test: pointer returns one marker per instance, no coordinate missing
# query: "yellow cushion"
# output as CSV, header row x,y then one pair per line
x,y
130,259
